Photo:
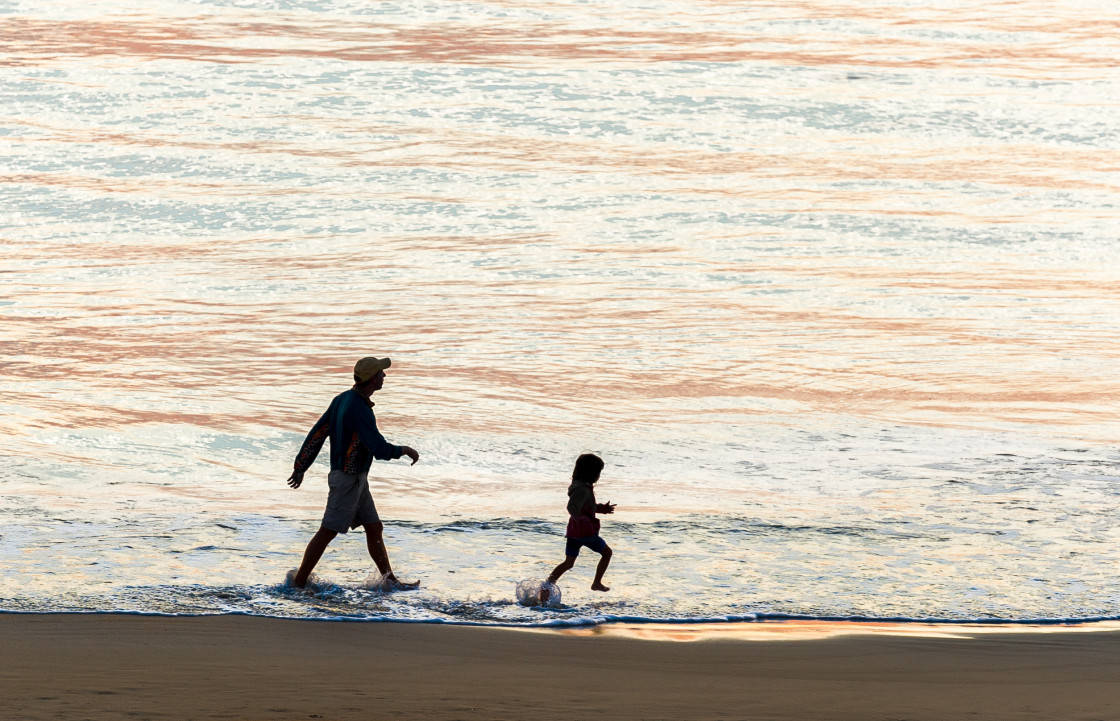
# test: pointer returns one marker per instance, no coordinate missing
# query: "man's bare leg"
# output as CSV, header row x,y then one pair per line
x,y
557,572
377,551
605,561
311,556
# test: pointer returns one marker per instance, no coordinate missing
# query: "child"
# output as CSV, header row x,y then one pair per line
x,y
583,526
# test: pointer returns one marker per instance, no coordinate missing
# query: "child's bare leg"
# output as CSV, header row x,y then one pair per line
x,y
563,568
605,561
557,572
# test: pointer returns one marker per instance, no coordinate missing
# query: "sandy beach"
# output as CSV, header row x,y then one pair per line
x,y
233,667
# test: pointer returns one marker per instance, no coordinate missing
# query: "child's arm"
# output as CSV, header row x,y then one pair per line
x,y
581,499
604,508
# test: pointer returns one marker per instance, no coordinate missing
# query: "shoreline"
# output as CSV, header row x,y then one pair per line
x,y
741,628
798,629
103,666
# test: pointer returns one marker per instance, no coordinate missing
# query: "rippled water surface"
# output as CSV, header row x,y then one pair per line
x,y
834,288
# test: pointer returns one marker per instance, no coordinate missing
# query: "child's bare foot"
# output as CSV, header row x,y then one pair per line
x,y
545,594
599,587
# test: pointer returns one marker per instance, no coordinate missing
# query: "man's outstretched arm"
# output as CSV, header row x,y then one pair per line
x,y
381,449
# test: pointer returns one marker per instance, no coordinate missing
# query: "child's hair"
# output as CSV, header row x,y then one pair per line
x,y
588,467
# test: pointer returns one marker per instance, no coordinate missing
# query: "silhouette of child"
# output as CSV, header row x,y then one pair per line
x,y
583,526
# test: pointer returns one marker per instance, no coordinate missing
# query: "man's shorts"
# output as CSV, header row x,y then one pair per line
x,y
349,503
595,543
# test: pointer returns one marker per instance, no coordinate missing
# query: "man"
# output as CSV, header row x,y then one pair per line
x,y
355,442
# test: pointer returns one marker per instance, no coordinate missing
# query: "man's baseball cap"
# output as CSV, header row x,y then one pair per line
x,y
368,367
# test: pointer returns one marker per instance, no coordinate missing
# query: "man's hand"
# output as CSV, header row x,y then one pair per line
x,y
411,454
295,479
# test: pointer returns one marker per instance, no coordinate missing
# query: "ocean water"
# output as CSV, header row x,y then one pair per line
x,y
833,288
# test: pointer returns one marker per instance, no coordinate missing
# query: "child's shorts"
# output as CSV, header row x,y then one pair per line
x,y
595,543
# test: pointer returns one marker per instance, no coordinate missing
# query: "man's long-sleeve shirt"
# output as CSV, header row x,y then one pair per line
x,y
355,440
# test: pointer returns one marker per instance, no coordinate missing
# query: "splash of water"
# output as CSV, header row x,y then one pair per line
x,y
531,592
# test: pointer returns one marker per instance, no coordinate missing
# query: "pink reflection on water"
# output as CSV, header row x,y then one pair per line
x,y
32,41
130,336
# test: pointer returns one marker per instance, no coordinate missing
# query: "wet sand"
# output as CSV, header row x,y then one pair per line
x,y
236,667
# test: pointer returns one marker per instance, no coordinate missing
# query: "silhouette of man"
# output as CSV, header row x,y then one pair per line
x,y
355,441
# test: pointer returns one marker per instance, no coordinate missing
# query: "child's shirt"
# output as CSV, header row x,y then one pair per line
x,y
581,508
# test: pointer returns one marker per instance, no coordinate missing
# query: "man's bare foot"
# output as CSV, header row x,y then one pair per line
x,y
599,587
392,583
293,579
